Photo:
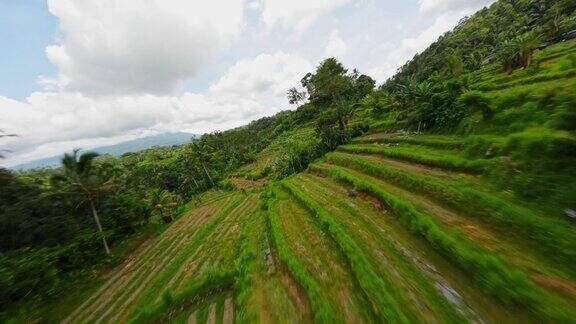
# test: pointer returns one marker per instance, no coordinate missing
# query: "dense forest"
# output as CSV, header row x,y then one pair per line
x,y
499,87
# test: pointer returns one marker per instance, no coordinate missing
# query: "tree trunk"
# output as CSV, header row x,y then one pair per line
x,y
195,183
528,60
341,123
207,174
97,220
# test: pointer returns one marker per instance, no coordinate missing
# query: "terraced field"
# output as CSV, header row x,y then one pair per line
x,y
164,265
391,228
517,258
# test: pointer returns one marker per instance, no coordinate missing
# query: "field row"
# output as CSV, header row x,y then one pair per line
x,y
518,258
201,241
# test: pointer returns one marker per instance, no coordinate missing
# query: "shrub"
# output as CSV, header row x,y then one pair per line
x,y
34,273
126,212
567,63
537,144
478,145
477,101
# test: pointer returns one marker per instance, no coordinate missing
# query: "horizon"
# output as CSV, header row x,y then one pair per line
x,y
78,74
53,161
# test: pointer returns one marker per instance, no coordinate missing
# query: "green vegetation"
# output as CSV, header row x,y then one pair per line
x,y
444,195
375,287
491,273
554,238
324,312
439,142
422,155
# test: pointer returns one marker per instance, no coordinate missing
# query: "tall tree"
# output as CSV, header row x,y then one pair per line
x,y
329,84
295,96
81,177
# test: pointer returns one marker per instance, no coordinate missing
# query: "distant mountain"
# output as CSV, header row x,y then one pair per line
x,y
164,139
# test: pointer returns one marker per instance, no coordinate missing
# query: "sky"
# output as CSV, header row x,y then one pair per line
x,y
87,73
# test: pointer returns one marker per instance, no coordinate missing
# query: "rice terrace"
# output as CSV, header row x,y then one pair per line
x,y
443,194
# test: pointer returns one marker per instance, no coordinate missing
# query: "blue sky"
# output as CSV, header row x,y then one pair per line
x,y
84,73
26,28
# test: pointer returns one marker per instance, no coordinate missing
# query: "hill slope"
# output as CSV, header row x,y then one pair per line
x,y
360,237
450,207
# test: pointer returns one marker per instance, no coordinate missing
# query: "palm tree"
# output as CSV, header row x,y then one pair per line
x,y
164,202
203,157
508,55
526,45
81,177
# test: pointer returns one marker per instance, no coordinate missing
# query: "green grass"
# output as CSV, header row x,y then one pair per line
x,y
409,285
324,311
165,247
490,273
375,287
159,281
435,158
554,239
425,140
247,267
541,77
258,287
222,250
211,282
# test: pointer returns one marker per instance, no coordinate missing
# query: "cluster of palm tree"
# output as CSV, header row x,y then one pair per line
x,y
411,92
518,52
164,203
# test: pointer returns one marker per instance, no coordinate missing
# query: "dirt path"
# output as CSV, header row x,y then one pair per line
x,y
228,317
243,183
192,318
211,314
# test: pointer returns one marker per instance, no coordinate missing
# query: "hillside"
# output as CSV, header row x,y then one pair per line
x,y
394,227
446,195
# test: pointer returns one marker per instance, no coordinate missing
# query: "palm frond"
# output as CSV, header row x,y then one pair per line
x,y
85,162
69,162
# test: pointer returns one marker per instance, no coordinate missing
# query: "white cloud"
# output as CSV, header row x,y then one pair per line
x,y
119,62
138,46
297,14
265,75
336,46
51,123
444,6
395,55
